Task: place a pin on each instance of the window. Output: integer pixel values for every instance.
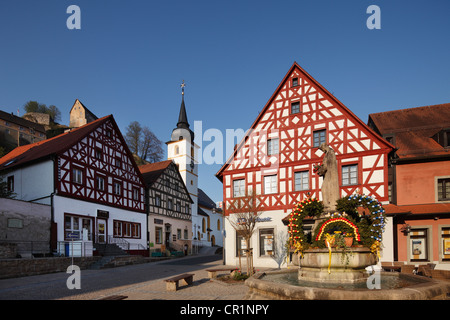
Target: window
(350, 175)
(178, 234)
(177, 149)
(136, 193)
(178, 206)
(444, 189)
(239, 188)
(185, 233)
(100, 183)
(241, 245)
(218, 224)
(158, 200)
(301, 180)
(117, 188)
(118, 162)
(77, 175)
(117, 229)
(187, 208)
(272, 146)
(270, 184)
(10, 184)
(295, 107)
(158, 235)
(294, 82)
(98, 154)
(82, 227)
(170, 204)
(418, 245)
(319, 137)
(266, 245)
(445, 235)
(136, 230)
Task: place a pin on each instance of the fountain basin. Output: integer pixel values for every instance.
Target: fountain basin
(343, 267)
(268, 285)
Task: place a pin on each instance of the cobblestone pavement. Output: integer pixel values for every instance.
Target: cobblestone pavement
(137, 282)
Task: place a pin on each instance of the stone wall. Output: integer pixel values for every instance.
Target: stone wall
(13, 268)
(24, 221)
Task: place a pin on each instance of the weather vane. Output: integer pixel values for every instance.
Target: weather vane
(182, 87)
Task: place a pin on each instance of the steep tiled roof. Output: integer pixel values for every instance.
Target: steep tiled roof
(152, 171)
(413, 129)
(47, 148)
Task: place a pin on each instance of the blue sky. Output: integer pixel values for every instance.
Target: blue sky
(129, 58)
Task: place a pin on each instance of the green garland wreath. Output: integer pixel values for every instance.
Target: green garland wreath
(305, 208)
(370, 228)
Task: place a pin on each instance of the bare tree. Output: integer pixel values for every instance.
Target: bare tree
(143, 143)
(243, 214)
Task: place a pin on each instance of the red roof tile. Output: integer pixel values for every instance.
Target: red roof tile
(152, 171)
(430, 208)
(46, 148)
(413, 129)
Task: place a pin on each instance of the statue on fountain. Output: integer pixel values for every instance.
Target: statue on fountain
(329, 171)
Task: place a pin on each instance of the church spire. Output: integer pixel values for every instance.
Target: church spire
(182, 130)
(182, 118)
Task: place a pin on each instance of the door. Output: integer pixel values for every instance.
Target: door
(101, 230)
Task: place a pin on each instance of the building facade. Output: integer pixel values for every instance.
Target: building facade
(276, 160)
(90, 179)
(169, 208)
(16, 131)
(419, 182)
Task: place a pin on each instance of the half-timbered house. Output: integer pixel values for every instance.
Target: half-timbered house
(276, 159)
(169, 207)
(89, 177)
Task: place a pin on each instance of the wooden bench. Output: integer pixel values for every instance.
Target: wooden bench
(172, 283)
(212, 273)
(115, 297)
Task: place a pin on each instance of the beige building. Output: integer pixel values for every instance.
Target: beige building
(80, 115)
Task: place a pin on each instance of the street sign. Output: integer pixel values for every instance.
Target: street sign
(72, 235)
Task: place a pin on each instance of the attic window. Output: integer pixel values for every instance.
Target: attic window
(443, 138)
(295, 82)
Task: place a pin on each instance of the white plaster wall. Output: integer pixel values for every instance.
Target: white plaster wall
(280, 235)
(34, 182)
(73, 206)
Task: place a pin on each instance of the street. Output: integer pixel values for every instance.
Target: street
(137, 282)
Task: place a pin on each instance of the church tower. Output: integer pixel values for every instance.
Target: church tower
(183, 151)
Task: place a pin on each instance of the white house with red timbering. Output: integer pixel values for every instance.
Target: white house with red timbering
(277, 157)
(89, 177)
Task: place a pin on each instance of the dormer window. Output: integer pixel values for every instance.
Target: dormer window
(443, 138)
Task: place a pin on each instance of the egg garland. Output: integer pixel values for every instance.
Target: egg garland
(376, 220)
(307, 207)
(367, 230)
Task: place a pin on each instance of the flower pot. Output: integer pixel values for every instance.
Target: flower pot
(348, 241)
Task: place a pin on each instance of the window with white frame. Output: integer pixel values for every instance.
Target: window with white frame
(319, 137)
(272, 146)
(77, 175)
(350, 175)
(301, 180)
(239, 188)
(270, 184)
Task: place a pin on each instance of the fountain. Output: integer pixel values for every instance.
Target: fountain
(339, 260)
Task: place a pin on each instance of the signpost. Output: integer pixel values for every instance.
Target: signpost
(72, 236)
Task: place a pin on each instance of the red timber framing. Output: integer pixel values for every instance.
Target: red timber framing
(299, 113)
(108, 174)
